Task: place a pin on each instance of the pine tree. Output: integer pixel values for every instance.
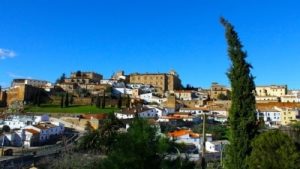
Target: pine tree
(61, 79)
(39, 98)
(67, 100)
(103, 100)
(120, 102)
(92, 101)
(242, 119)
(98, 101)
(71, 100)
(62, 101)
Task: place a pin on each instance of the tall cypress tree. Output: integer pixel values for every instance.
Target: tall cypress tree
(39, 98)
(62, 101)
(242, 119)
(120, 102)
(71, 100)
(103, 101)
(67, 100)
(98, 102)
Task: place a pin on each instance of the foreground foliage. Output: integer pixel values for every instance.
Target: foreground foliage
(275, 150)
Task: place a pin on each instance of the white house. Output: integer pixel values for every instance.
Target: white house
(124, 115)
(18, 122)
(31, 137)
(42, 118)
(108, 81)
(185, 94)
(220, 118)
(149, 113)
(215, 146)
(271, 116)
(160, 110)
(149, 98)
(121, 90)
(194, 111)
(143, 112)
(188, 137)
(47, 131)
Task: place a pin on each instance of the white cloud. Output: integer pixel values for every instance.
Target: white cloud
(5, 53)
(15, 76)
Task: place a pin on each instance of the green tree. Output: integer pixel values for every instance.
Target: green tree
(273, 149)
(38, 98)
(62, 101)
(98, 102)
(6, 128)
(120, 102)
(61, 79)
(78, 73)
(103, 101)
(71, 99)
(222, 96)
(139, 148)
(67, 100)
(102, 139)
(242, 119)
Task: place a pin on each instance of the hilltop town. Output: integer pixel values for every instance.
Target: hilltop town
(36, 112)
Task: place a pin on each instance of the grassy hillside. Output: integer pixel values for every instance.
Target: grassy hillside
(70, 109)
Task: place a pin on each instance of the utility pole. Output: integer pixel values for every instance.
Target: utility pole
(2, 152)
(202, 162)
(221, 157)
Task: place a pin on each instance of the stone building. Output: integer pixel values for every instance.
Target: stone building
(161, 81)
(22, 93)
(217, 89)
(33, 82)
(271, 90)
(84, 81)
(84, 78)
(288, 115)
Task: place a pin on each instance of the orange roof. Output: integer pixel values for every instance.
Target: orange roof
(178, 133)
(32, 131)
(277, 104)
(194, 135)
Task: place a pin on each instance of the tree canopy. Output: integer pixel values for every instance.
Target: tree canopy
(275, 150)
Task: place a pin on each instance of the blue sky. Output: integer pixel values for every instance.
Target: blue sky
(42, 39)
